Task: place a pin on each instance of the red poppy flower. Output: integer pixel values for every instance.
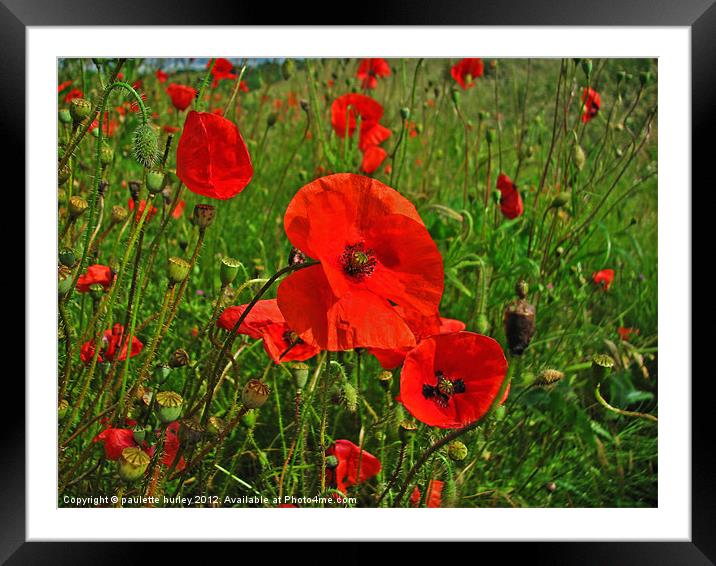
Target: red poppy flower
(115, 440)
(345, 473)
(170, 129)
(372, 158)
(221, 70)
(63, 86)
(466, 70)
(625, 333)
(110, 343)
(72, 94)
(162, 76)
(243, 87)
(510, 201)
(372, 136)
(451, 380)
(434, 496)
(171, 447)
(265, 322)
(346, 109)
(96, 275)
(109, 126)
(591, 102)
(212, 159)
(140, 210)
(178, 209)
(182, 96)
(603, 278)
(374, 253)
(370, 69)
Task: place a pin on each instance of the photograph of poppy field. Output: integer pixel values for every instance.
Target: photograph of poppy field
(357, 282)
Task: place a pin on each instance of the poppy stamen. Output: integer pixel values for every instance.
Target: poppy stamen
(444, 389)
(358, 261)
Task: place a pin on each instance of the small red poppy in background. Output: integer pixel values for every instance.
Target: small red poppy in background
(374, 253)
(212, 158)
(466, 70)
(170, 129)
(625, 333)
(451, 380)
(346, 109)
(345, 474)
(115, 440)
(182, 96)
(433, 498)
(221, 70)
(140, 210)
(372, 136)
(603, 278)
(72, 94)
(370, 69)
(510, 202)
(243, 86)
(110, 343)
(109, 126)
(591, 102)
(171, 447)
(162, 76)
(265, 322)
(63, 86)
(372, 159)
(178, 209)
(96, 275)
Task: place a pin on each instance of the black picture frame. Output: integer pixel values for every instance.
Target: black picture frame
(699, 15)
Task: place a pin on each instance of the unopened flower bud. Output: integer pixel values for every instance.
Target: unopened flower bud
(456, 97)
(271, 120)
(490, 135)
(299, 370)
(548, 377)
(248, 419)
(133, 463)
(621, 75)
(77, 206)
(350, 395)
(106, 154)
(482, 324)
(405, 113)
(80, 108)
(644, 78)
(67, 257)
(169, 406)
(229, 270)
(204, 215)
(96, 291)
(579, 157)
(161, 373)
(287, 69)
(587, 67)
(145, 145)
(178, 269)
(457, 451)
(64, 280)
(254, 394)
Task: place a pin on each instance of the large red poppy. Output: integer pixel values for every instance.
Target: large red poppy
(374, 253)
(451, 380)
(434, 496)
(466, 70)
(510, 202)
(212, 158)
(370, 69)
(110, 343)
(96, 275)
(591, 102)
(182, 96)
(345, 474)
(115, 440)
(604, 278)
(265, 322)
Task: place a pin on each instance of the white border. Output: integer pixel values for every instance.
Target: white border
(670, 521)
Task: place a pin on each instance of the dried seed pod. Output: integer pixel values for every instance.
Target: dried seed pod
(179, 358)
(254, 394)
(519, 321)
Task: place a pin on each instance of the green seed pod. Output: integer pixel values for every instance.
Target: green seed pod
(178, 269)
(204, 215)
(64, 280)
(299, 370)
(67, 257)
(77, 206)
(587, 67)
(482, 324)
(106, 154)
(145, 145)
(133, 463)
(490, 135)
(579, 157)
(80, 108)
(385, 378)
(456, 97)
(500, 412)
(331, 462)
(405, 113)
(64, 116)
(62, 409)
(248, 420)
(287, 69)
(457, 451)
(139, 433)
(229, 270)
(161, 373)
(406, 431)
(156, 181)
(601, 364)
(254, 394)
(169, 406)
(271, 120)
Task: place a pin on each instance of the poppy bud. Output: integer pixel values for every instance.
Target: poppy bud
(248, 419)
(133, 463)
(254, 394)
(178, 269)
(77, 206)
(561, 200)
(215, 425)
(119, 214)
(169, 406)
(579, 157)
(482, 115)
(559, 252)
(179, 358)
(299, 370)
(145, 145)
(271, 120)
(457, 451)
(644, 78)
(161, 373)
(405, 113)
(456, 97)
(204, 215)
(287, 69)
(406, 431)
(490, 135)
(156, 181)
(304, 105)
(106, 153)
(229, 270)
(67, 257)
(482, 324)
(331, 462)
(80, 108)
(63, 174)
(64, 116)
(519, 322)
(350, 395)
(587, 67)
(64, 280)
(62, 409)
(621, 75)
(601, 363)
(385, 379)
(548, 377)
(139, 433)
(296, 256)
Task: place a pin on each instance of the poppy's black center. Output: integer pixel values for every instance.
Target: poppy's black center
(444, 389)
(357, 261)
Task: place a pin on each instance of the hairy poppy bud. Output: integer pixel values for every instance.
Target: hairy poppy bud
(271, 120)
(156, 181)
(457, 451)
(229, 270)
(62, 409)
(456, 97)
(119, 214)
(331, 462)
(204, 215)
(579, 157)
(405, 113)
(169, 406)
(561, 200)
(406, 431)
(77, 206)
(80, 108)
(64, 116)
(587, 67)
(601, 364)
(287, 69)
(482, 324)
(179, 358)
(548, 377)
(299, 370)
(248, 420)
(145, 145)
(254, 394)
(519, 321)
(385, 379)
(133, 463)
(139, 433)
(178, 269)
(106, 154)
(490, 135)
(350, 395)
